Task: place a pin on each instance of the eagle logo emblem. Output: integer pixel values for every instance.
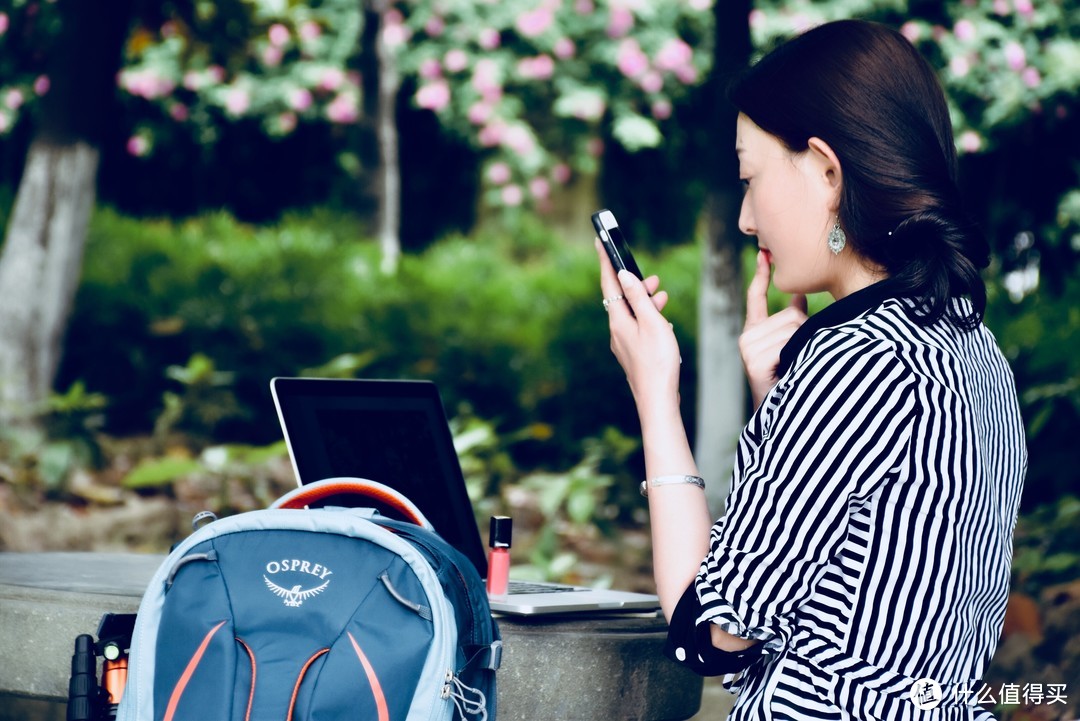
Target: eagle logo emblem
(296, 595)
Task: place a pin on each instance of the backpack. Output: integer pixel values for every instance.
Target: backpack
(327, 613)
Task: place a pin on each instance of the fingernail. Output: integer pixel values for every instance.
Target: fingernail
(624, 277)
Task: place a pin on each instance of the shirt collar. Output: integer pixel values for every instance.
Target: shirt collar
(847, 308)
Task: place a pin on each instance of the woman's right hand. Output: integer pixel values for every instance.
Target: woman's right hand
(642, 340)
(764, 335)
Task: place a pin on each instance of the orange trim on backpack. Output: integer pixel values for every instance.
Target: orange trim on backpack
(310, 494)
(251, 694)
(300, 679)
(376, 687)
(178, 690)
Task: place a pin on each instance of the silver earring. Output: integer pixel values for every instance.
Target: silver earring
(837, 239)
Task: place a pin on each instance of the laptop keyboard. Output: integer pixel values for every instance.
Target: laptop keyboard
(518, 587)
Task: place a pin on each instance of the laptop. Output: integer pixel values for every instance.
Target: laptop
(395, 432)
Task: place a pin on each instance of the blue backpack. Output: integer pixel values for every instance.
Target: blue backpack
(294, 613)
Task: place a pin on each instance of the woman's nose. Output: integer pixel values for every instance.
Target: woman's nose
(746, 219)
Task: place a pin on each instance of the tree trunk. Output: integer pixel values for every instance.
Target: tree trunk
(721, 398)
(389, 165)
(42, 257)
(39, 270)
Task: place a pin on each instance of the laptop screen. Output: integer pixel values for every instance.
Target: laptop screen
(393, 432)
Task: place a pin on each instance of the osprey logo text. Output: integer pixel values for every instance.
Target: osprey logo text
(295, 594)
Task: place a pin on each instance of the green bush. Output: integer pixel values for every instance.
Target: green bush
(508, 324)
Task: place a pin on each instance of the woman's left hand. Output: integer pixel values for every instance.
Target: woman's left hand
(643, 341)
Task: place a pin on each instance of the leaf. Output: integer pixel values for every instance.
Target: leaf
(160, 472)
(636, 132)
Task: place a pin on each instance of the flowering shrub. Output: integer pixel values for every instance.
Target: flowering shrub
(1000, 60)
(536, 85)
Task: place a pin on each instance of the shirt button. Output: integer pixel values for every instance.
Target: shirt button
(680, 653)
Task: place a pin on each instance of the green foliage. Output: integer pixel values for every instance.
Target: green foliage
(507, 322)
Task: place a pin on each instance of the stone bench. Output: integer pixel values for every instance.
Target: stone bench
(605, 667)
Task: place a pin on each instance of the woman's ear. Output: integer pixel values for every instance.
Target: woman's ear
(827, 167)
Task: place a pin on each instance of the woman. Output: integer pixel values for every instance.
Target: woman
(861, 568)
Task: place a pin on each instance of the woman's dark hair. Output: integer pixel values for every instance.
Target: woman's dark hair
(863, 89)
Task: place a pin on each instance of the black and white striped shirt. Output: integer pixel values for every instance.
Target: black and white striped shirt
(867, 540)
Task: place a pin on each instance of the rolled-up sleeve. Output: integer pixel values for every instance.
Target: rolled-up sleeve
(831, 432)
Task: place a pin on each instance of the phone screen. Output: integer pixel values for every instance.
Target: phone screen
(614, 242)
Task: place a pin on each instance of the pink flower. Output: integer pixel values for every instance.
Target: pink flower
(13, 98)
(310, 30)
(564, 48)
(331, 79)
(1031, 77)
(541, 67)
(169, 29)
(512, 195)
(661, 109)
(561, 173)
(584, 7)
(278, 34)
(700, 5)
(286, 122)
(960, 66)
(395, 35)
(216, 73)
(1001, 7)
(970, 142)
(179, 112)
(192, 80)
(498, 173)
(488, 38)
(433, 96)
(651, 82)
(41, 84)
(620, 22)
(1024, 7)
(4, 23)
(595, 147)
(1015, 57)
(486, 79)
(479, 113)
(430, 69)
(540, 188)
(435, 26)
(456, 60)
(631, 60)
(686, 74)
(237, 101)
(535, 22)
(518, 139)
(757, 18)
(272, 55)
(342, 109)
(911, 30)
(964, 30)
(138, 145)
(674, 54)
(300, 99)
(491, 134)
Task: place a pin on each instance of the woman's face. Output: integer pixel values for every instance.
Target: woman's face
(789, 204)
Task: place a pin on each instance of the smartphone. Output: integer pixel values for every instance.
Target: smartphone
(611, 236)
